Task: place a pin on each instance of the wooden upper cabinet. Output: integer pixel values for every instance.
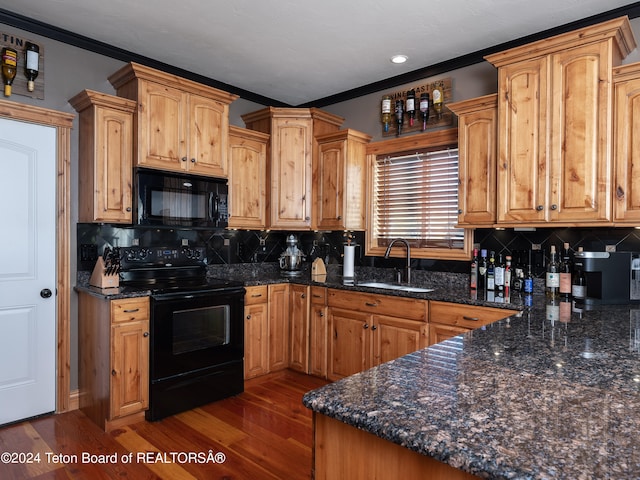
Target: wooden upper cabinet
(626, 153)
(181, 125)
(105, 157)
(477, 150)
(290, 160)
(247, 178)
(554, 110)
(340, 181)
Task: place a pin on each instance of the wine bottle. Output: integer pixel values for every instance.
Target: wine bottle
(9, 68)
(410, 106)
(386, 111)
(399, 111)
(566, 270)
(579, 279)
(473, 277)
(424, 109)
(31, 60)
(499, 275)
(491, 272)
(528, 279)
(437, 102)
(482, 269)
(552, 286)
(507, 276)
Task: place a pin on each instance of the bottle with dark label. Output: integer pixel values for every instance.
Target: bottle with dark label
(527, 284)
(31, 60)
(410, 106)
(579, 279)
(399, 111)
(566, 270)
(482, 269)
(473, 277)
(552, 285)
(386, 111)
(424, 109)
(491, 272)
(9, 68)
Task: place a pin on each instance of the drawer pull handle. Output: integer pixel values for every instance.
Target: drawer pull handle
(132, 310)
(369, 304)
(315, 295)
(472, 319)
(256, 295)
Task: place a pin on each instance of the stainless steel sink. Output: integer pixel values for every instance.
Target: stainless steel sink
(395, 286)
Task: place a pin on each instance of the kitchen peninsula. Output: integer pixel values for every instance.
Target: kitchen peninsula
(525, 397)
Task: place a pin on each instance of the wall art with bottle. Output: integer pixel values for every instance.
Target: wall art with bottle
(421, 107)
(28, 78)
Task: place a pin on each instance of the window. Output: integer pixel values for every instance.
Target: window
(414, 195)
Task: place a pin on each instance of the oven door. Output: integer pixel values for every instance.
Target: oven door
(192, 332)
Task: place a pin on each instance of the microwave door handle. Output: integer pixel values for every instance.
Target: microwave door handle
(213, 207)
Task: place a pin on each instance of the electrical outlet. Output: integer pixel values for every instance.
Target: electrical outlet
(610, 248)
(185, 242)
(226, 242)
(263, 241)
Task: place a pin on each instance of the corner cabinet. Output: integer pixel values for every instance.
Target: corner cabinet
(340, 181)
(477, 150)
(290, 161)
(113, 353)
(105, 157)
(247, 178)
(180, 125)
(626, 152)
(554, 111)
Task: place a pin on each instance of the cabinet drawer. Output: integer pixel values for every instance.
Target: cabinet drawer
(408, 308)
(254, 295)
(318, 295)
(130, 309)
(468, 316)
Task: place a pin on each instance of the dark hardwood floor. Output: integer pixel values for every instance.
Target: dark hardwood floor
(264, 433)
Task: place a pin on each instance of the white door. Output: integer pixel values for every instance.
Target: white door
(27, 270)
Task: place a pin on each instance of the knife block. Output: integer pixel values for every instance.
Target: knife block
(100, 279)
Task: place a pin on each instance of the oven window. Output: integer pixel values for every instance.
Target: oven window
(200, 328)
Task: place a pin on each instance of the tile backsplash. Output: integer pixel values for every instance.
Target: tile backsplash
(240, 246)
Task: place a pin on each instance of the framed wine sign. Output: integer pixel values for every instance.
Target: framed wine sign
(20, 81)
(424, 118)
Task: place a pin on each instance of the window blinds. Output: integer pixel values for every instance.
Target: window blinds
(416, 198)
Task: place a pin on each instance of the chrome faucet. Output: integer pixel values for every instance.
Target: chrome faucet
(408, 267)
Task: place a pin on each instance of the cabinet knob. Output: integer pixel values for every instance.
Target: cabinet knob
(248, 317)
(114, 373)
(128, 209)
(307, 219)
(459, 211)
(365, 326)
(303, 296)
(554, 207)
(193, 160)
(539, 208)
(339, 217)
(184, 159)
(321, 314)
(374, 328)
(145, 334)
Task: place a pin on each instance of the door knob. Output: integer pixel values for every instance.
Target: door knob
(45, 293)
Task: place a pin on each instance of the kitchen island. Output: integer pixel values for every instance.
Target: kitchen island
(526, 397)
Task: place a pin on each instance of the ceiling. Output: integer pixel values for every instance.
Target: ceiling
(295, 51)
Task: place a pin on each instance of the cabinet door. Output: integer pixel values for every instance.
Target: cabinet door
(291, 144)
(438, 333)
(580, 140)
(522, 142)
(626, 133)
(349, 343)
(318, 335)
(256, 340)
(330, 184)
(299, 328)
(207, 126)
(247, 179)
(278, 327)
(161, 129)
(394, 337)
(129, 368)
(477, 144)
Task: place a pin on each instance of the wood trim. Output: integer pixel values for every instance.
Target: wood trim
(447, 136)
(62, 121)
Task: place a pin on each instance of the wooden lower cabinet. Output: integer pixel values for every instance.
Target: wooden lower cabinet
(299, 328)
(113, 351)
(447, 319)
(256, 331)
(365, 330)
(343, 451)
(278, 326)
(318, 332)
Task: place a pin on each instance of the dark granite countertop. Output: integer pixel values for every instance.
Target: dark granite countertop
(527, 397)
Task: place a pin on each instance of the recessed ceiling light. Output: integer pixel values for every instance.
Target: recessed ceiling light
(399, 59)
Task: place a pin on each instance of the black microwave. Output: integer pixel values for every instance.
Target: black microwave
(179, 200)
